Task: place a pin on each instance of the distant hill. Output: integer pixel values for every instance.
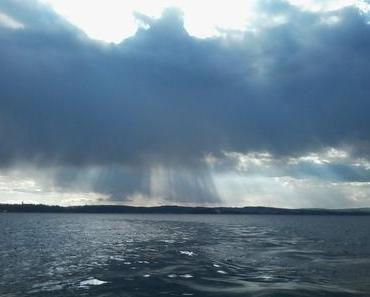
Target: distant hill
(250, 210)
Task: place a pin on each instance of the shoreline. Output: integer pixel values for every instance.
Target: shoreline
(171, 209)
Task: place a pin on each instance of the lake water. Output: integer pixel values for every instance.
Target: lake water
(184, 255)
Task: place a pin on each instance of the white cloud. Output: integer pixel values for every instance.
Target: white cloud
(246, 161)
(324, 5)
(8, 21)
(327, 156)
(32, 186)
(113, 20)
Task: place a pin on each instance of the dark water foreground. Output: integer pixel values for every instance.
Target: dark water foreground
(185, 255)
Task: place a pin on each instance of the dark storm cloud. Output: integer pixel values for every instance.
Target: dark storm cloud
(165, 97)
(71, 101)
(123, 183)
(116, 181)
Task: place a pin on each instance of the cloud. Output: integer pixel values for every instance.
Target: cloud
(165, 99)
(9, 22)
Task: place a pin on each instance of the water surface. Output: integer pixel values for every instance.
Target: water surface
(183, 255)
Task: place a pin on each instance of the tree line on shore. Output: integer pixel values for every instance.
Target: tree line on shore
(42, 208)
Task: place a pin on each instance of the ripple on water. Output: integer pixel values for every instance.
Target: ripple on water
(187, 275)
(49, 286)
(187, 253)
(172, 275)
(91, 282)
(168, 241)
(214, 261)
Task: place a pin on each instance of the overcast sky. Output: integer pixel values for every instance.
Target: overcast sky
(185, 102)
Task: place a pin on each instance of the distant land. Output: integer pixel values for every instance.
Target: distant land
(249, 210)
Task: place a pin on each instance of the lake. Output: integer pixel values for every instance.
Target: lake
(183, 255)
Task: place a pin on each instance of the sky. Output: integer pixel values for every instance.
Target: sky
(212, 103)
